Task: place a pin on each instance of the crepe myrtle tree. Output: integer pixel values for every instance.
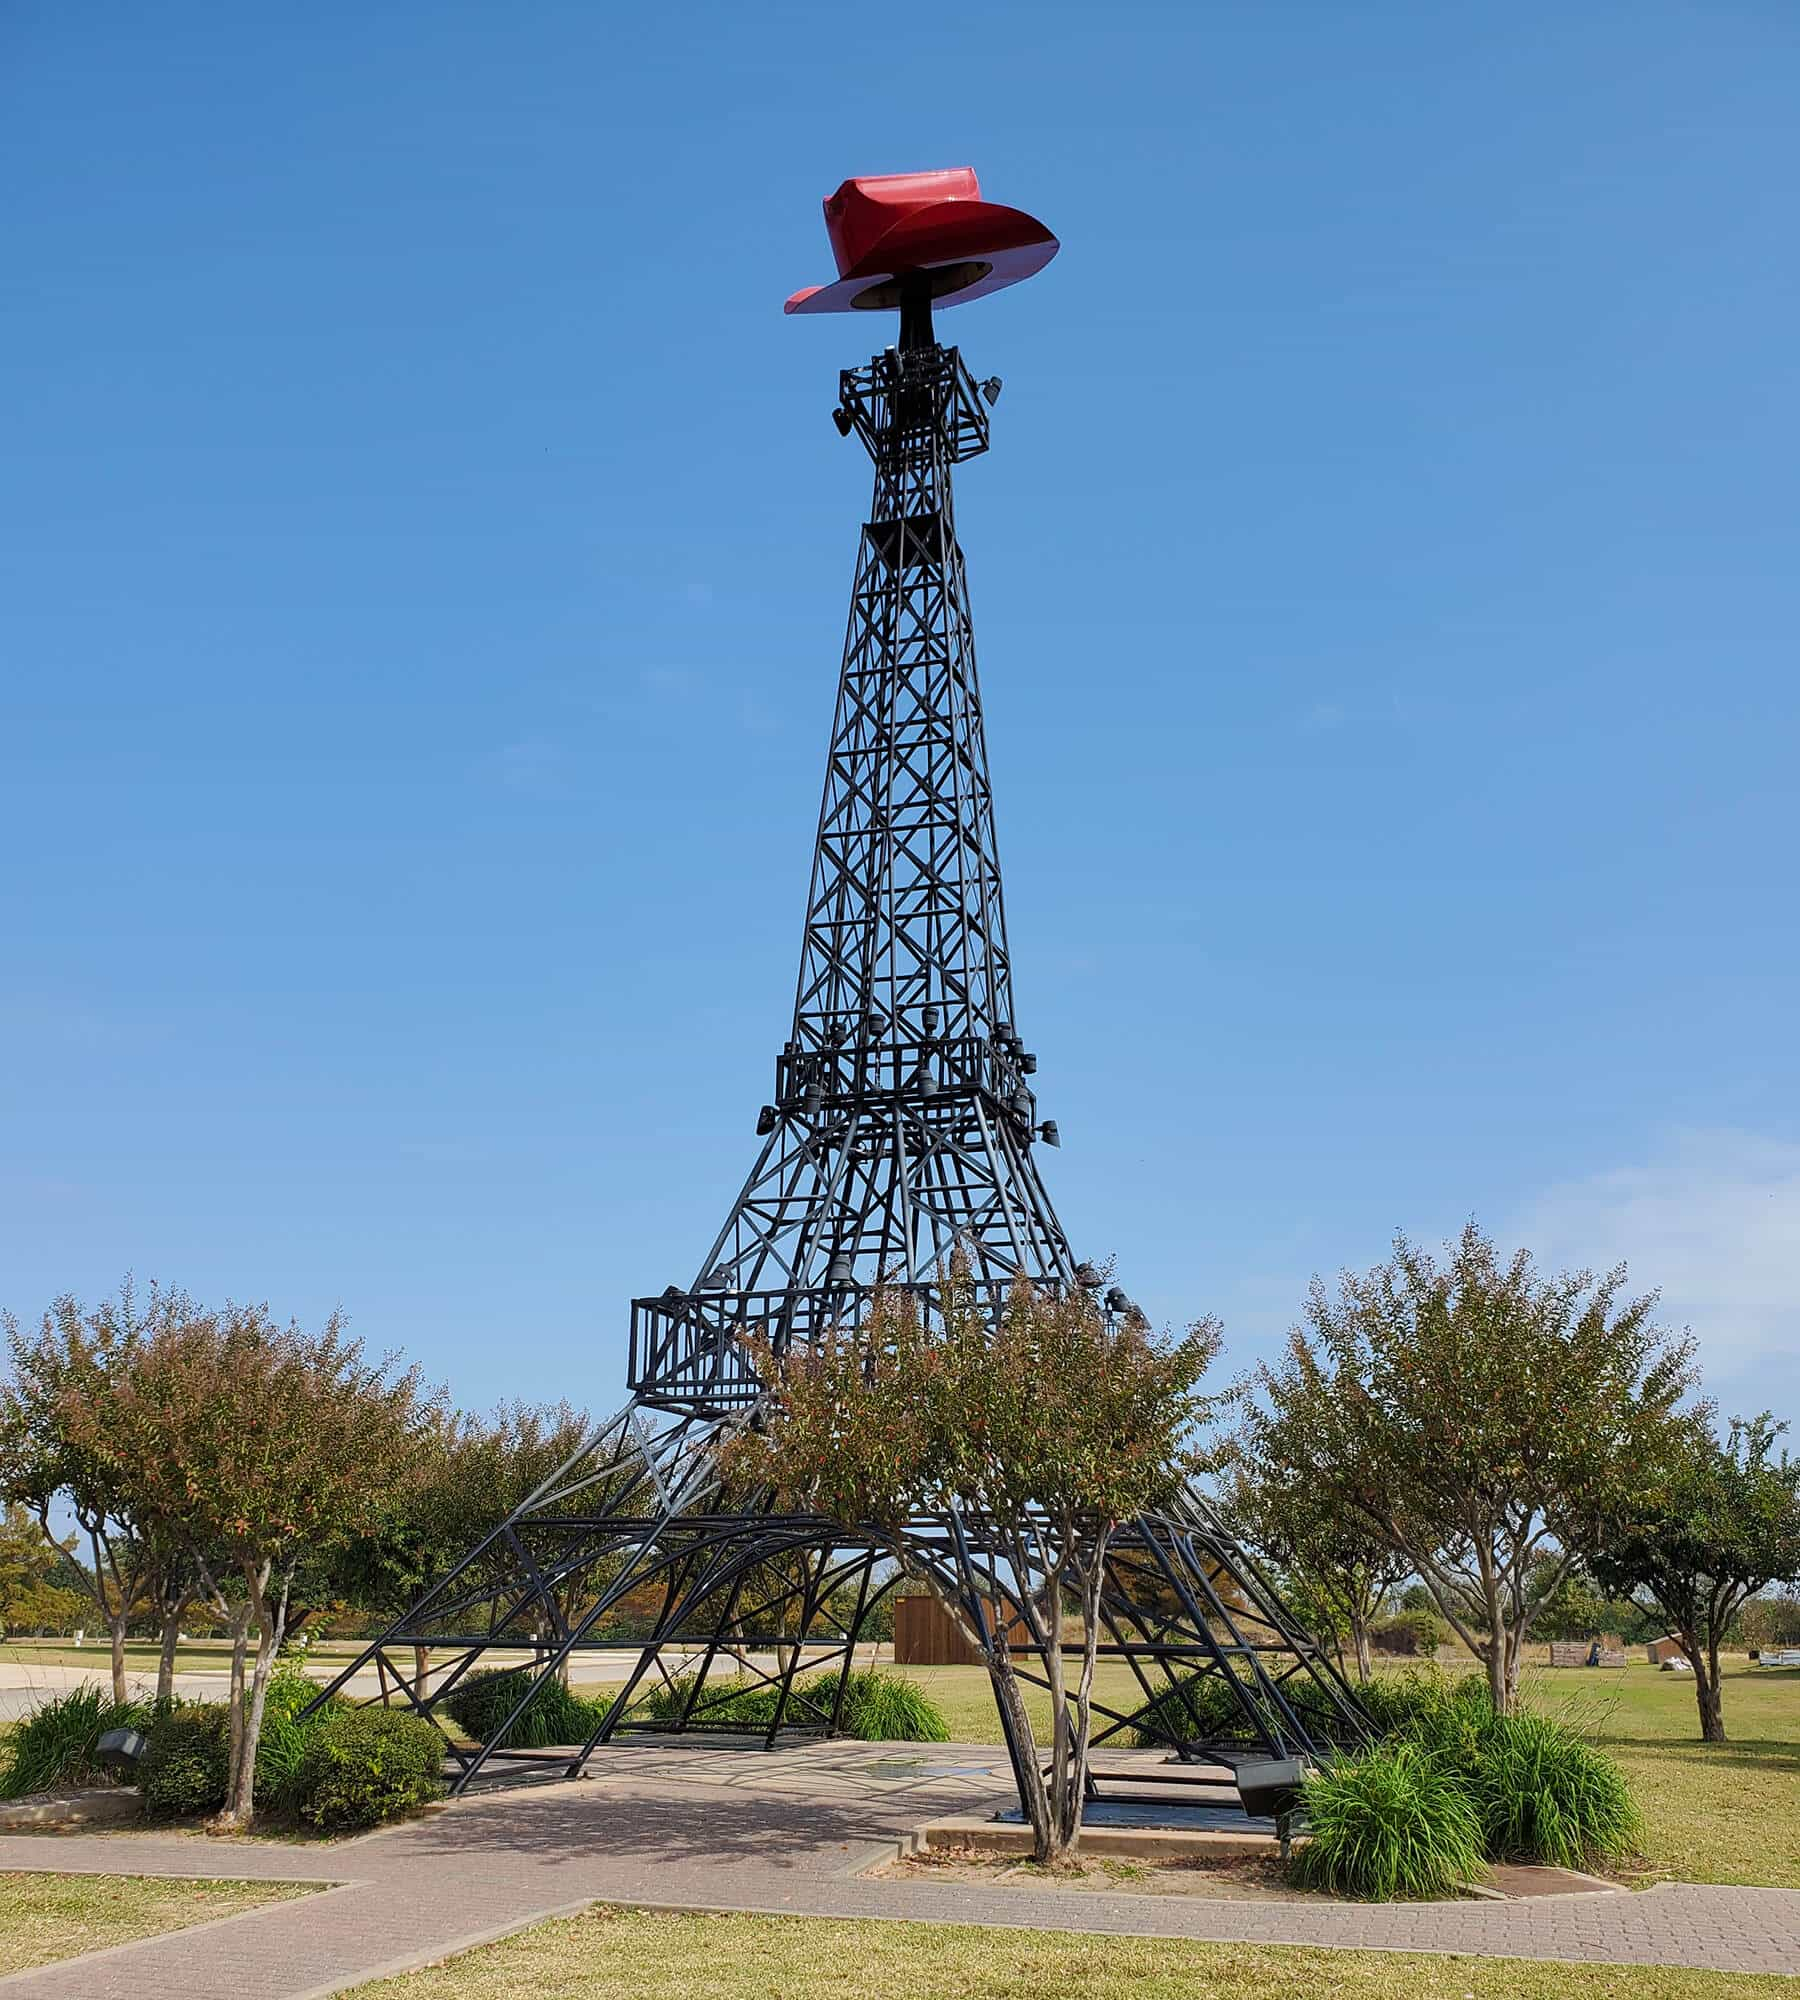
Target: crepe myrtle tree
(1476, 1416)
(1338, 1567)
(1052, 1425)
(256, 1447)
(77, 1360)
(1706, 1527)
(464, 1477)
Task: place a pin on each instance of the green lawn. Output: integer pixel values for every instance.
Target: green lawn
(47, 1917)
(609, 1954)
(1727, 1812)
(197, 1656)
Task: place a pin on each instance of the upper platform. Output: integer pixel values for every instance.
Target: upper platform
(929, 235)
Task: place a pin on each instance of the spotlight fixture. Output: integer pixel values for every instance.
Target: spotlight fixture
(991, 390)
(765, 1121)
(1116, 1301)
(844, 421)
(1087, 1276)
(839, 1273)
(718, 1279)
(1049, 1134)
(1028, 1063)
(815, 1100)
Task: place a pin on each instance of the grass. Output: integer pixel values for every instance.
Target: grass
(611, 1954)
(47, 1917)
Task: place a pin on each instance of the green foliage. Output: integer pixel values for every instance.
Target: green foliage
(481, 1704)
(1206, 1710)
(877, 1707)
(1424, 1700)
(1533, 1789)
(184, 1770)
(368, 1766)
(1415, 1634)
(1544, 1795)
(884, 1708)
(1463, 1410)
(53, 1746)
(1202, 1710)
(1385, 1822)
(1710, 1525)
(32, 1566)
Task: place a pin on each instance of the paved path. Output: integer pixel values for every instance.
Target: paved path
(692, 1827)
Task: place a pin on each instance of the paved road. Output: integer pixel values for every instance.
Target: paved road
(692, 1827)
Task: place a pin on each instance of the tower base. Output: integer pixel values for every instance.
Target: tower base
(633, 1554)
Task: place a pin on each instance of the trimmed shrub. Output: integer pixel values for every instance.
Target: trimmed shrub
(1386, 1822)
(188, 1761)
(186, 1766)
(55, 1744)
(367, 1766)
(1544, 1795)
(481, 1704)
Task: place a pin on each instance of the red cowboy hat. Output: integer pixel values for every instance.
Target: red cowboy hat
(888, 227)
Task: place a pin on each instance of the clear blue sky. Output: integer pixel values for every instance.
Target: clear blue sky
(423, 555)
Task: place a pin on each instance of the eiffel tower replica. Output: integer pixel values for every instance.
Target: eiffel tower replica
(903, 1131)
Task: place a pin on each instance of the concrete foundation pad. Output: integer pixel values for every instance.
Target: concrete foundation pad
(98, 1805)
(1134, 1843)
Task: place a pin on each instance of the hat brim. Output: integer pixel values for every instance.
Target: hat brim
(966, 248)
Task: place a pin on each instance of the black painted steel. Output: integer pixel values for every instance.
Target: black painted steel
(902, 1130)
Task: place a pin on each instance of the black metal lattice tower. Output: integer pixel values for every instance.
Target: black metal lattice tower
(902, 1130)
(904, 1117)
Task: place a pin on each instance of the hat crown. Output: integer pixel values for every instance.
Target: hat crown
(865, 208)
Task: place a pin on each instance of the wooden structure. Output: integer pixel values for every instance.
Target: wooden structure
(925, 1635)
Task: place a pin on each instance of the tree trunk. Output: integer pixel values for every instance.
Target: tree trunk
(1359, 1639)
(1515, 1652)
(115, 1624)
(1065, 1826)
(240, 1642)
(1708, 1695)
(1494, 1659)
(271, 1624)
(1031, 1777)
(421, 1672)
(165, 1664)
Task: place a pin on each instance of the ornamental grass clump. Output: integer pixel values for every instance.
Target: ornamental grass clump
(1388, 1822)
(1546, 1796)
(1425, 1702)
(56, 1744)
(884, 1708)
(481, 1704)
(877, 1707)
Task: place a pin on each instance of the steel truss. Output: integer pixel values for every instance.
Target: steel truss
(902, 1130)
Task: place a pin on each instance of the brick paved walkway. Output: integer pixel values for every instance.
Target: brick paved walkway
(697, 1828)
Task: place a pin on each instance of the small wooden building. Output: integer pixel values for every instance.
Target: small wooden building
(925, 1635)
